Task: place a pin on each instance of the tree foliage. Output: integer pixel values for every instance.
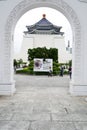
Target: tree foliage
(44, 53)
(70, 63)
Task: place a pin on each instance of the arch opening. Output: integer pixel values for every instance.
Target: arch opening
(32, 17)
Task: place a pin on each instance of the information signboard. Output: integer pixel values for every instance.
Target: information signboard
(42, 65)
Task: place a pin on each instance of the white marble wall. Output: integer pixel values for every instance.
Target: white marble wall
(75, 12)
(49, 41)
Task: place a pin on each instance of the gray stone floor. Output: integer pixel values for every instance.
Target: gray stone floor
(42, 103)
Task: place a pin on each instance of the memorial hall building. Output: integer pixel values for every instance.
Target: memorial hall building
(44, 34)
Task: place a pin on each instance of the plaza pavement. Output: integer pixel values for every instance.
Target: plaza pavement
(42, 103)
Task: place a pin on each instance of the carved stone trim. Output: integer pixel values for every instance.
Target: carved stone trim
(57, 4)
(85, 1)
(3, 0)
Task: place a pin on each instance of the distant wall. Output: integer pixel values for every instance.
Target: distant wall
(48, 41)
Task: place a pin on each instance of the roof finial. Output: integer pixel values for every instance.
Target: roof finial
(44, 15)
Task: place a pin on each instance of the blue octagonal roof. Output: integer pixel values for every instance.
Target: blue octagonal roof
(43, 27)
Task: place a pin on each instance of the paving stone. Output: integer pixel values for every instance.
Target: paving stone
(62, 117)
(81, 125)
(52, 126)
(31, 117)
(69, 117)
(6, 116)
(14, 125)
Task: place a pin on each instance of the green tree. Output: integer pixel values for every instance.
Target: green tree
(70, 63)
(53, 53)
(43, 53)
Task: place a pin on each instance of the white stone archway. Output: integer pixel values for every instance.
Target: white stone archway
(8, 87)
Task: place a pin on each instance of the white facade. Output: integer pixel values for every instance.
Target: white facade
(74, 11)
(49, 41)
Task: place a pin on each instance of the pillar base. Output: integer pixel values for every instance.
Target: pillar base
(7, 89)
(78, 90)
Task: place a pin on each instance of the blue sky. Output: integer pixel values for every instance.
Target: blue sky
(33, 16)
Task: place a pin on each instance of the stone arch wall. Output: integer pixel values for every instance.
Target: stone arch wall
(26, 5)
